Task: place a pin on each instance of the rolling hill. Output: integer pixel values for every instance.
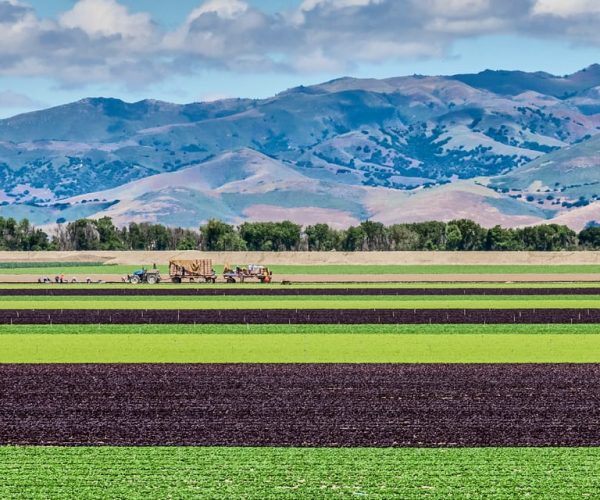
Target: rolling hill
(500, 147)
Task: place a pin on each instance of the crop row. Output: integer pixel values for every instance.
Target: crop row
(384, 405)
(455, 285)
(65, 291)
(299, 348)
(313, 302)
(567, 330)
(274, 473)
(297, 316)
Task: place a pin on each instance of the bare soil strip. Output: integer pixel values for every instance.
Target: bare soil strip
(298, 316)
(301, 405)
(64, 291)
(356, 278)
(309, 258)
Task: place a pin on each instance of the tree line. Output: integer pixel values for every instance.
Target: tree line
(216, 235)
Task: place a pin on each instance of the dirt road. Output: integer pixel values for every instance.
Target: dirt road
(358, 278)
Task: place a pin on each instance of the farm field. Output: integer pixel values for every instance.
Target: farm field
(257, 288)
(314, 405)
(333, 302)
(298, 329)
(267, 473)
(301, 348)
(70, 268)
(323, 392)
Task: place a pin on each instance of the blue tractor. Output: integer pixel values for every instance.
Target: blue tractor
(143, 275)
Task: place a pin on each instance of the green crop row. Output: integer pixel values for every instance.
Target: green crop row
(285, 473)
(68, 270)
(254, 285)
(300, 329)
(299, 348)
(45, 265)
(303, 302)
(334, 269)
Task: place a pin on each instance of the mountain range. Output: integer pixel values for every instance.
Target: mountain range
(498, 147)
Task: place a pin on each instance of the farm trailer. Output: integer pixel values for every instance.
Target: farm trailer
(241, 274)
(192, 270)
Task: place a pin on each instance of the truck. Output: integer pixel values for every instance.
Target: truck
(193, 271)
(241, 274)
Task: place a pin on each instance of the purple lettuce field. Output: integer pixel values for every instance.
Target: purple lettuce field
(340, 405)
(299, 316)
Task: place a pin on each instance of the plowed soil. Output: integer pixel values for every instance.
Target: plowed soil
(359, 278)
(301, 405)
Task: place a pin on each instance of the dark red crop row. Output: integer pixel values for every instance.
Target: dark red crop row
(299, 316)
(64, 290)
(300, 405)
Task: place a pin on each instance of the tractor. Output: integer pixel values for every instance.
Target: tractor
(152, 277)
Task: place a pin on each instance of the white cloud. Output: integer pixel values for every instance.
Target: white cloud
(567, 8)
(453, 8)
(298, 17)
(102, 40)
(107, 18)
(226, 9)
(14, 100)
(337, 4)
(212, 97)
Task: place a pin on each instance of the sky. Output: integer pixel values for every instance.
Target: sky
(58, 51)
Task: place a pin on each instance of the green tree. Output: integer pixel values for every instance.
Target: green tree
(454, 237)
(354, 239)
(376, 237)
(499, 239)
(473, 235)
(321, 237)
(432, 235)
(402, 237)
(548, 237)
(188, 242)
(214, 232)
(231, 242)
(271, 236)
(82, 234)
(590, 237)
(110, 238)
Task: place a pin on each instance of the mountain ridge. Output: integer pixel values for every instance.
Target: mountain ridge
(402, 136)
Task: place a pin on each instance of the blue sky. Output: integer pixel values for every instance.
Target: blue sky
(57, 51)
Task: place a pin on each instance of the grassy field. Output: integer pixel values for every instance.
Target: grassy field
(303, 302)
(261, 473)
(299, 348)
(45, 269)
